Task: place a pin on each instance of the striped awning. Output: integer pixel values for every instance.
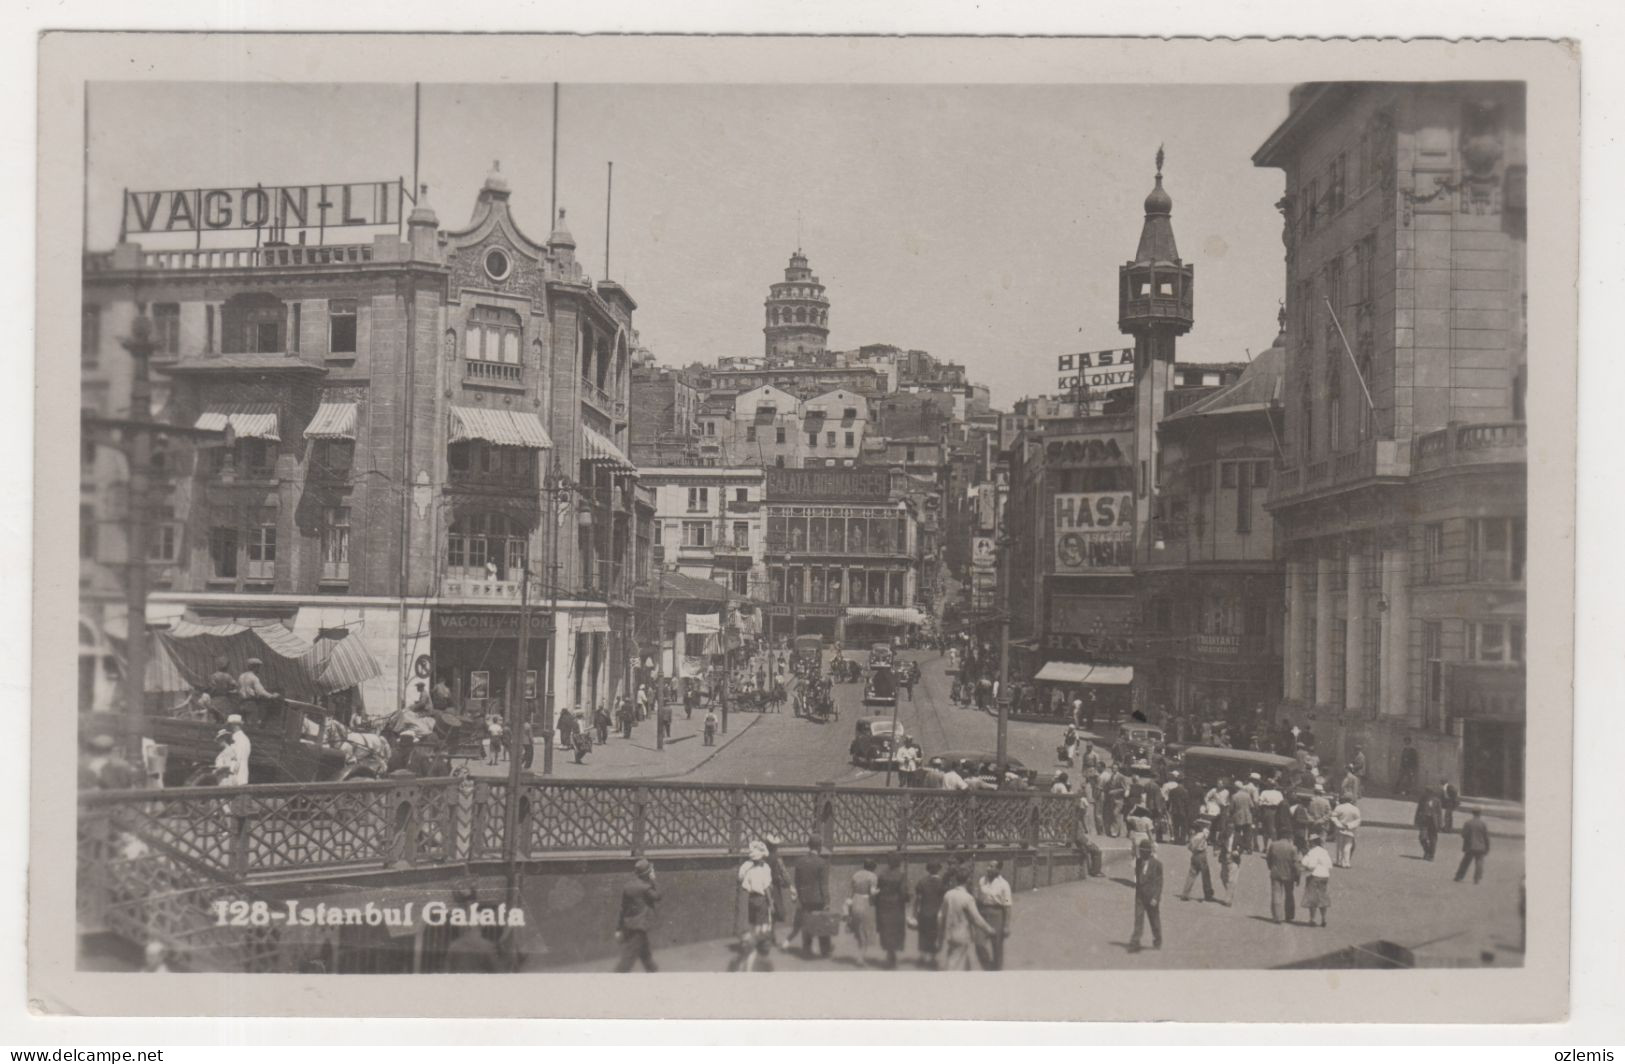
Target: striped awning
(250, 421)
(505, 428)
(601, 448)
(333, 421)
(339, 660)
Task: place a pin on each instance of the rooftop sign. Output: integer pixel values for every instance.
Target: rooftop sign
(274, 208)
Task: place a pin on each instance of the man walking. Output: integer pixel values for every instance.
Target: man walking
(960, 922)
(1475, 845)
(811, 876)
(663, 719)
(711, 723)
(1282, 858)
(1427, 822)
(1147, 896)
(639, 896)
(994, 902)
(1346, 822)
(1449, 799)
(600, 724)
(1241, 817)
(1198, 846)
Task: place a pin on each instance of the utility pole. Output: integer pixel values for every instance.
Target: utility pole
(1003, 701)
(516, 718)
(727, 658)
(660, 643)
(556, 487)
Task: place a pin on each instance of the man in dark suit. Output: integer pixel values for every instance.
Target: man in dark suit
(812, 895)
(1282, 858)
(1475, 844)
(1429, 815)
(1147, 896)
(639, 896)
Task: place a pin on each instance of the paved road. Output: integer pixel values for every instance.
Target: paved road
(781, 748)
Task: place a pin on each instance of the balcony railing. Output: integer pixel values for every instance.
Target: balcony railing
(1479, 443)
(240, 258)
(476, 370)
(602, 400)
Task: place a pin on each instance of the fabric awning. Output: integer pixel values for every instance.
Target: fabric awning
(699, 623)
(340, 660)
(885, 614)
(1083, 672)
(601, 448)
(505, 428)
(333, 421)
(250, 421)
(286, 669)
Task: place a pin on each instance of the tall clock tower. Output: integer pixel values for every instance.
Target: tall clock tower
(1154, 302)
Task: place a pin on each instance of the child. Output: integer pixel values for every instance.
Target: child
(711, 727)
(1317, 890)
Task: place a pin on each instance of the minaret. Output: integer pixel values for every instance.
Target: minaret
(1154, 306)
(797, 326)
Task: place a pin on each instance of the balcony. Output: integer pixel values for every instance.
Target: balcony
(492, 372)
(239, 258)
(1372, 458)
(1480, 443)
(602, 401)
(604, 580)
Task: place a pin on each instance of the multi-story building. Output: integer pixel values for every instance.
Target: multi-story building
(665, 427)
(391, 409)
(842, 553)
(833, 428)
(1209, 583)
(1402, 498)
(709, 522)
(804, 382)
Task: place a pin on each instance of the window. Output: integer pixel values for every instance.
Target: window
(1261, 474)
(659, 539)
(262, 549)
(164, 546)
(851, 439)
(742, 535)
(341, 330)
(486, 544)
(911, 457)
(252, 323)
(334, 458)
(223, 553)
(166, 328)
(497, 264)
(696, 533)
(812, 439)
(87, 531)
(492, 336)
(1432, 653)
(741, 583)
(779, 461)
(1339, 176)
(1244, 501)
(1363, 368)
(1334, 410)
(336, 543)
(90, 337)
(1433, 553)
(1366, 266)
(829, 439)
(1495, 549)
(1311, 204)
(750, 433)
(1307, 429)
(256, 459)
(779, 438)
(1227, 475)
(1495, 641)
(741, 495)
(699, 500)
(849, 414)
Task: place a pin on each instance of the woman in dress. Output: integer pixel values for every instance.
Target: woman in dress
(928, 912)
(861, 909)
(891, 908)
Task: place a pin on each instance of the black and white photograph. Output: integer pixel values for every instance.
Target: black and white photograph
(578, 525)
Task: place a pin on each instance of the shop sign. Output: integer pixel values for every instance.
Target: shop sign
(832, 484)
(1218, 645)
(477, 624)
(804, 611)
(1096, 369)
(1094, 531)
(276, 208)
(984, 554)
(1085, 647)
(1093, 449)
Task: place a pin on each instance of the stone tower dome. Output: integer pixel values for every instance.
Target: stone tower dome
(797, 319)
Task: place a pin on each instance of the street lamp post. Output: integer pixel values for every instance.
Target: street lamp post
(556, 488)
(1003, 701)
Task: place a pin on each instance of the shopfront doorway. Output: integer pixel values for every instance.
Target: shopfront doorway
(1492, 755)
(477, 655)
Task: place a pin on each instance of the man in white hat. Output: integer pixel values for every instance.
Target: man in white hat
(756, 881)
(239, 740)
(251, 693)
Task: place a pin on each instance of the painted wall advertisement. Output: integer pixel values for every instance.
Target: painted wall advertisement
(984, 552)
(1094, 532)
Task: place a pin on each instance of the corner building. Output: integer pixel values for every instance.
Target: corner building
(1402, 518)
(393, 408)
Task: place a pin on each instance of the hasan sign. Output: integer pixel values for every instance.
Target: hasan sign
(275, 208)
(1097, 369)
(1094, 531)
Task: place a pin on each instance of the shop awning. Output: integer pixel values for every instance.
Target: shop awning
(250, 421)
(505, 428)
(601, 448)
(333, 421)
(885, 614)
(1083, 672)
(339, 661)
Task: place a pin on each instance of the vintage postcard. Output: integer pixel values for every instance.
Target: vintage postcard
(977, 528)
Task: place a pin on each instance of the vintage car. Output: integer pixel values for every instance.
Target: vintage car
(881, 654)
(291, 742)
(809, 649)
(881, 690)
(875, 743)
(1207, 765)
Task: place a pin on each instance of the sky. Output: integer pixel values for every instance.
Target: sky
(984, 223)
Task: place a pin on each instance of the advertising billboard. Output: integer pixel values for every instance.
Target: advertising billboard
(1094, 532)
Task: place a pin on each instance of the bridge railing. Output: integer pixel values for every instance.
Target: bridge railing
(289, 831)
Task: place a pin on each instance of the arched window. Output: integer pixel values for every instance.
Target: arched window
(486, 546)
(801, 314)
(493, 335)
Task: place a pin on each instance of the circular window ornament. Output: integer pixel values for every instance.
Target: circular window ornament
(497, 264)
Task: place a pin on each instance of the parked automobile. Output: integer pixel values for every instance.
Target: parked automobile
(875, 743)
(1207, 765)
(881, 654)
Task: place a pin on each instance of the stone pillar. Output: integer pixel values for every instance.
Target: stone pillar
(1324, 568)
(1297, 630)
(1354, 648)
(1396, 632)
